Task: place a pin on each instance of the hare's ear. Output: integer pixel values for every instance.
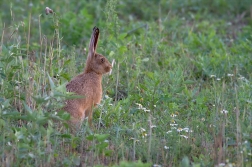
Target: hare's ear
(93, 42)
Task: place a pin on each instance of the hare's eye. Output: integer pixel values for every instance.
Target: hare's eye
(102, 60)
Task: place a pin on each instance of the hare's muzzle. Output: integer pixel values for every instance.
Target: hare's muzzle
(109, 68)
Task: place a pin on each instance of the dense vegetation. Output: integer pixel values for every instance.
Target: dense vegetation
(180, 93)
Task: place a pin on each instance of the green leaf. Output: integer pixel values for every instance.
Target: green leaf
(90, 137)
(196, 165)
(150, 75)
(6, 103)
(102, 146)
(4, 50)
(185, 162)
(111, 53)
(40, 100)
(67, 136)
(63, 115)
(101, 137)
(19, 135)
(2, 123)
(122, 49)
(31, 155)
(76, 160)
(189, 82)
(16, 67)
(51, 82)
(122, 36)
(71, 95)
(62, 88)
(145, 59)
(23, 146)
(11, 114)
(27, 108)
(108, 152)
(42, 120)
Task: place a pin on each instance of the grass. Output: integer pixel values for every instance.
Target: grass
(179, 94)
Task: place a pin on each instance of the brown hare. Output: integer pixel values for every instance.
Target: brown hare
(87, 84)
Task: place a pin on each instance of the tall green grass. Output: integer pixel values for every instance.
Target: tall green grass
(179, 94)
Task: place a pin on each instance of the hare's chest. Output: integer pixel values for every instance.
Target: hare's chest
(97, 94)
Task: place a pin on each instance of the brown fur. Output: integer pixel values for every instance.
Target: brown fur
(87, 84)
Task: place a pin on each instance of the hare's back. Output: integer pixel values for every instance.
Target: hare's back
(80, 84)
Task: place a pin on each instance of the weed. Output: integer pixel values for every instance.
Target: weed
(179, 94)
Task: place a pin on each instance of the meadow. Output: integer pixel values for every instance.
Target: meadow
(180, 92)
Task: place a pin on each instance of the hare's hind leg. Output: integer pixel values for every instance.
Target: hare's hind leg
(77, 116)
(75, 122)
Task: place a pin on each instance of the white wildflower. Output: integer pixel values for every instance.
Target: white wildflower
(166, 148)
(144, 135)
(133, 139)
(186, 129)
(179, 129)
(142, 130)
(221, 164)
(211, 125)
(173, 115)
(169, 131)
(224, 111)
(156, 165)
(184, 136)
(140, 106)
